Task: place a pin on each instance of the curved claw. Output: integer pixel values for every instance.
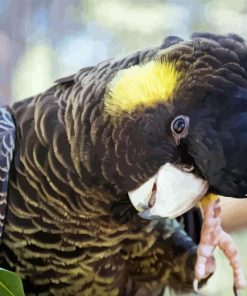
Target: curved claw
(236, 291)
(195, 286)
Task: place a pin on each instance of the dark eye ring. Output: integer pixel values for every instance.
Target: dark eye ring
(180, 125)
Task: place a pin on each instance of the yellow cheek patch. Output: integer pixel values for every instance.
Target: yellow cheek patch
(141, 86)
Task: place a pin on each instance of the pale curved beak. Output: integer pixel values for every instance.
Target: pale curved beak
(169, 193)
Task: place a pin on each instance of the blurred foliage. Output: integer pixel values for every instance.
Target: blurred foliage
(42, 40)
(10, 284)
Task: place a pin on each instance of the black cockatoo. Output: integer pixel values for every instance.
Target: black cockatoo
(170, 120)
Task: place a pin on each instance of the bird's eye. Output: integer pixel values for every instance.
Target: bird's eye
(179, 126)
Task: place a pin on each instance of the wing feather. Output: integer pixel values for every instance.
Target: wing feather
(7, 145)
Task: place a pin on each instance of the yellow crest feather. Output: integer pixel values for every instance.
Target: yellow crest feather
(141, 86)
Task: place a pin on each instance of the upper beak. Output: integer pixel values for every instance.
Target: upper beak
(169, 193)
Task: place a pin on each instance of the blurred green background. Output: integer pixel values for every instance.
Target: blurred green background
(43, 40)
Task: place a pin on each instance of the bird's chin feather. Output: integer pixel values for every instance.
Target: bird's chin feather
(175, 192)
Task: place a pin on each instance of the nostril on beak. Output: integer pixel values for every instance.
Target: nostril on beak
(188, 168)
(152, 199)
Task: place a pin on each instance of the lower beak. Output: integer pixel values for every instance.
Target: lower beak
(170, 193)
